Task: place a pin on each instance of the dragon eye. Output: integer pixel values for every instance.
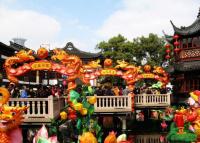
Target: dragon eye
(13, 113)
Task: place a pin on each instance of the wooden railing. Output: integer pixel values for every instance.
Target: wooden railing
(40, 109)
(43, 109)
(149, 100)
(113, 104)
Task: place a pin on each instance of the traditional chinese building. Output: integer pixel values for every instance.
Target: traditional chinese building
(186, 67)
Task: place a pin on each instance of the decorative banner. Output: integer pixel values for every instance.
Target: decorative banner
(108, 72)
(147, 75)
(41, 65)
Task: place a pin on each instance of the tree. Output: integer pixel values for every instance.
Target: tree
(151, 48)
(119, 48)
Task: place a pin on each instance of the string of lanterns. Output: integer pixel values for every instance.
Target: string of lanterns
(176, 49)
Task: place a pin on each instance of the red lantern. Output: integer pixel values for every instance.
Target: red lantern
(175, 36)
(176, 43)
(167, 46)
(176, 50)
(107, 62)
(168, 51)
(167, 57)
(42, 53)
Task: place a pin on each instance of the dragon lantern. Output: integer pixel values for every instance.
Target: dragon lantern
(10, 119)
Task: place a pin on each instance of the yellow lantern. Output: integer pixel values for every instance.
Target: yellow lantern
(83, 111)
(92, 99)
(78, 106)
(63, 115)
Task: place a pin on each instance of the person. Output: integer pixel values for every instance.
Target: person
(115, 90)
(11, 88)
(108, 91)
(24, 93)
(53, 90)
(31, 93)
(125, 91)
(16, 93)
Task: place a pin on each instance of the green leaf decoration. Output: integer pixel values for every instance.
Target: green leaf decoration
(74, 101)
(78, 124)
(98, 129)
(90, 89)
(99, 139)
(73, 95)
(86, 104)
(91, 109)
(42, 140)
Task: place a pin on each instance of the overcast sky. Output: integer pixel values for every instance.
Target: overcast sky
(87, 22)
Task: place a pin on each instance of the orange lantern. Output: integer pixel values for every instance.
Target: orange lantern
(42, 53)
(107, 62)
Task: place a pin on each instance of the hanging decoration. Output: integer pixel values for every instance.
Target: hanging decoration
(176, 44)
(167, 46)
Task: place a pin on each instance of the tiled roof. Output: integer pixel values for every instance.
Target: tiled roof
(69, 48)
(193, 29)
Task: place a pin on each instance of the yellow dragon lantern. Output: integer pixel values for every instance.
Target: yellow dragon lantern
(10, 119)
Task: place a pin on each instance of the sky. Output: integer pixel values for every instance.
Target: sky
(85, 23)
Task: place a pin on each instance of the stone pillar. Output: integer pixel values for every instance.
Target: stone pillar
(123, 119)
(37, 77)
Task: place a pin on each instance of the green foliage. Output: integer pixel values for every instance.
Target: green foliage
(82, 123)
(187, 137)
(119, 48)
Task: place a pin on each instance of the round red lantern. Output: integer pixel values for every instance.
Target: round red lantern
(42, 53)
(147, 68)
(168, 51)
(175, 36)
(167, 57)
(176, 43)
(167, 46)
(107, 62)
(176, 50)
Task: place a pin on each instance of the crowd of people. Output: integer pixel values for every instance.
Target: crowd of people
(39, 91)
(120, 90)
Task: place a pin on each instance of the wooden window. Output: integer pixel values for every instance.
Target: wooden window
(184, 43)
(189, 42)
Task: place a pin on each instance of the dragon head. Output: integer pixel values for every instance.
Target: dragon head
(10, 117)
(25, 55)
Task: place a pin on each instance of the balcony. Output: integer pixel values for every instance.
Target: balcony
(41, 110)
